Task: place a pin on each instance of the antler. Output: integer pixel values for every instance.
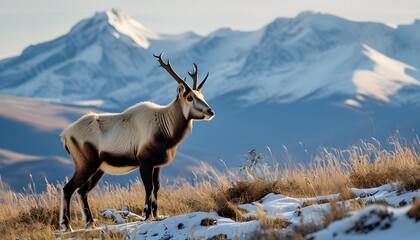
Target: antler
(194, 77)
(202, 83)
(168, 68)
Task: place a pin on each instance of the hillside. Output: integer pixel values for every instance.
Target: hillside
(353, 193)
(280, 217)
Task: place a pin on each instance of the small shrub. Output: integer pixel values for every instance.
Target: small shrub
(208, 222)
(412, 183)
(228, 209)
(241, 192)
(247, 192)
(253, 158)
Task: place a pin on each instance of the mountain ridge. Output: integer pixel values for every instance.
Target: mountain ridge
(109, 57)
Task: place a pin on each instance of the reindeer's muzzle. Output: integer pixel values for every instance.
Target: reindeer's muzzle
(209, 114)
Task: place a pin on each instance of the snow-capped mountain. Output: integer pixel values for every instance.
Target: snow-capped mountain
(294, 85)
(98, 56)
(313, 55)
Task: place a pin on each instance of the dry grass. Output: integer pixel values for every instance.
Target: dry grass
(414, 211)
(338, 211)
(35, 216)
(269, 223)
(401, 164)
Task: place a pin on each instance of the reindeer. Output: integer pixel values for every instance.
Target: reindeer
(144, 136)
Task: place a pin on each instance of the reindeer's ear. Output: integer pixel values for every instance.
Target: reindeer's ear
(181, 90)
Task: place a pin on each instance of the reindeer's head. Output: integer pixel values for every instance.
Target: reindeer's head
(193, 104)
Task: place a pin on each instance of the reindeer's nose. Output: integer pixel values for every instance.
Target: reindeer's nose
(210, 112)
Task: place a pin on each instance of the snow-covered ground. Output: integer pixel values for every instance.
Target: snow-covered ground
(374, 221)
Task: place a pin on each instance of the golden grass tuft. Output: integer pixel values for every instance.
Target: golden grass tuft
(338, 211)
(269, 225)
(268, 222)
(385, 166)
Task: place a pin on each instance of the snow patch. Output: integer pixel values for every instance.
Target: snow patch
(126, 25)
(373, 222)
(385, 79)
(353, 103)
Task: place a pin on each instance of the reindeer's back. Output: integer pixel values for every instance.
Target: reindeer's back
(113, 132)
(86, 128)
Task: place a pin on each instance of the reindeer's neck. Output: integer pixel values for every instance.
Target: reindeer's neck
(173, 125)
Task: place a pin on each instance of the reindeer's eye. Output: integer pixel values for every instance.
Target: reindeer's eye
(189, 98)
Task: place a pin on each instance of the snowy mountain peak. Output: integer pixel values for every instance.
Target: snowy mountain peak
(312, 25)
(222, 32)
(310, 15)
(116, 23)
(96, 23)
(322, 21)
(126, 25)
(115, 12)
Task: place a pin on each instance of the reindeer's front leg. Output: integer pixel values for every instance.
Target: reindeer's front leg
(156, 186)
(146, 172)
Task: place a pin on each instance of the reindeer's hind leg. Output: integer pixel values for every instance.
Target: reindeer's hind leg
(78, 179)
(83, 193)
(87, 163)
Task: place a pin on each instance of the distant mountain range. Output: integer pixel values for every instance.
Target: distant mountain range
(304, 82)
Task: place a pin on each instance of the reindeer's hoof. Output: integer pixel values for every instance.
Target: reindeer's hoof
(65, 227)
(148, 217)
(90, 224)
(147, 213)
(160, 218)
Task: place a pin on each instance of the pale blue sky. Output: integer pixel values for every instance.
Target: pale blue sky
(25, 22)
